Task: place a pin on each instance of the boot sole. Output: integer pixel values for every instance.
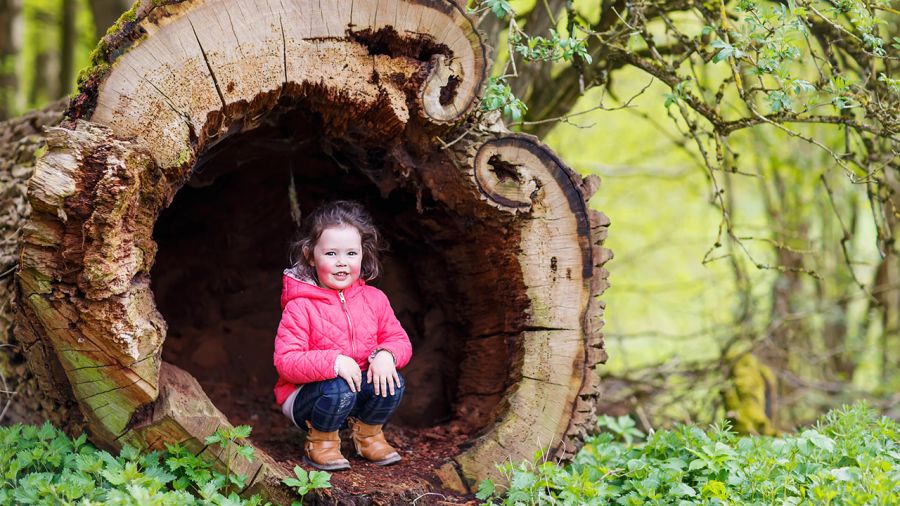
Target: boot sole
(388, 461)
(326, 467)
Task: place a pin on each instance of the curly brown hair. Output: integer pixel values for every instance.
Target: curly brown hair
(337, 213)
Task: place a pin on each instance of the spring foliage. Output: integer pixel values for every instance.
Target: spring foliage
(850, 457)
(41, 465)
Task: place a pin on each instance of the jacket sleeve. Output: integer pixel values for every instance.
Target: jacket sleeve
(294, 361)
(391, 335)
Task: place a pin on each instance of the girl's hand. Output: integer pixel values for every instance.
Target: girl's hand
(383, 373)
(350, 371)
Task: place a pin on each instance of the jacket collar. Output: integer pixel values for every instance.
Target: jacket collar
(294, 287)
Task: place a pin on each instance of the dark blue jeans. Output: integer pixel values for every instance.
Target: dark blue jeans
(327, 404)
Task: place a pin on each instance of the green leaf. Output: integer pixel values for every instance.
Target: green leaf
(241, 432)
(129, 452)
(723, 54)
(682, 490)
(246, 452)
(486, 490)
(320, 479)
(818, 440)
(501, 8)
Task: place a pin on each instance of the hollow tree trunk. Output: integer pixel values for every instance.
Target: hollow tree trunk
(200, 113)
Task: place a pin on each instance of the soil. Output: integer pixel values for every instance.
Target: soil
(412, 480)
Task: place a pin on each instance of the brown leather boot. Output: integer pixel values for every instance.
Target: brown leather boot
(369, 442)
(323, 450)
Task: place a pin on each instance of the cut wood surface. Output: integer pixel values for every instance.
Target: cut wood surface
(199, 69)
(495, 270)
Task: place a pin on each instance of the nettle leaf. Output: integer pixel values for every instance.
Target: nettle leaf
(486, 490)
(246, 452)
(46, 432)
(523, 480)
(241, 432)
(114, 476)
(214, 438)
(209, 490)
(129, 452)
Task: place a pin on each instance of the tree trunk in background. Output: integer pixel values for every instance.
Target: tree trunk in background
(537, 22)
(10, 10)
(40, 88)
(886, 287)
(105, 13)
(67, 47)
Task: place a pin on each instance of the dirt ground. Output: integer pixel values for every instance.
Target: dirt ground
(412, 480)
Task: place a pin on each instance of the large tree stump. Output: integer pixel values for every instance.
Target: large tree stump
(163, 209)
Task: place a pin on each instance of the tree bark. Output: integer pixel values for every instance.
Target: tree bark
(209, 106)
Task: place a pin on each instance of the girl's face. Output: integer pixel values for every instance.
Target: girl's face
(337, 257)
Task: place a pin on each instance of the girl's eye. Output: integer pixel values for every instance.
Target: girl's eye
(330, 253)
(352, 253)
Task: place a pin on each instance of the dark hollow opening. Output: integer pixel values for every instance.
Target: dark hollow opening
(224, 242)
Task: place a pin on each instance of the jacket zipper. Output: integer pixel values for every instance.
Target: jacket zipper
(349, 322)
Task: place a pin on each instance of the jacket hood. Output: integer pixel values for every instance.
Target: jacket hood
(294, 287)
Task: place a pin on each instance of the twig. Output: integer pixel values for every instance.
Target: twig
(9, 271)
(427, 494)
(565, 117)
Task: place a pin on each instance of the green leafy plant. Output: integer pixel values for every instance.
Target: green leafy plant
(851, 457)
(306, 482)
(229, 440)
(42, 465)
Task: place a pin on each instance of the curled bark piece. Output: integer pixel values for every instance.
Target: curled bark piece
(556, 240)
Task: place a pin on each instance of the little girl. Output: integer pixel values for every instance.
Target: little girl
(335, 328)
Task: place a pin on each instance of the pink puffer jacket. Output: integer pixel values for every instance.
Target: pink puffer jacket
(316, 327)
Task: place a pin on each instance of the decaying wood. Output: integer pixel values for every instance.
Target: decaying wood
(23, 400)
(511, 253)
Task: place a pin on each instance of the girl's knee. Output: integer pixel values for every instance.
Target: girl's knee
(338, 391)
(336, 387)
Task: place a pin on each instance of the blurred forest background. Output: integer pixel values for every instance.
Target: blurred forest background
(748, 152)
